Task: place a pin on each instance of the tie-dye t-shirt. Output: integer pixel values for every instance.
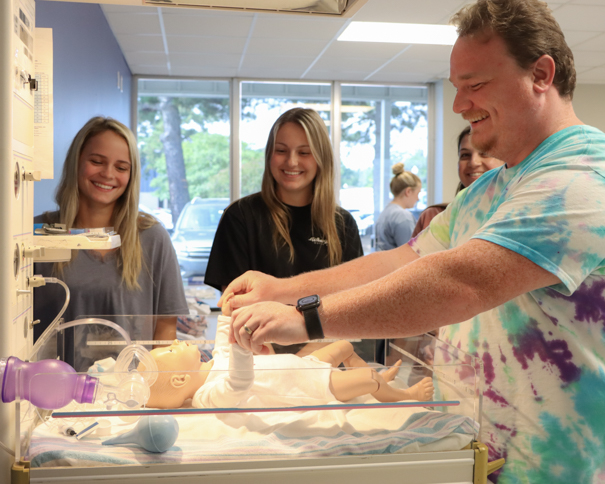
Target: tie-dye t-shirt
(543, 352)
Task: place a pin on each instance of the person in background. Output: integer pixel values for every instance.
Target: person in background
(513, 271)
(99, 187)
(471, 165)
(293, 225)
(395, 224)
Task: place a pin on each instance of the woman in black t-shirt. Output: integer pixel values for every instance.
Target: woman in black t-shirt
(293, 225)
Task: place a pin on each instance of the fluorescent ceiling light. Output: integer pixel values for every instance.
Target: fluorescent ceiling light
(399, 33)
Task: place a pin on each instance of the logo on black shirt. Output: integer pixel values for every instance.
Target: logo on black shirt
(318, 241)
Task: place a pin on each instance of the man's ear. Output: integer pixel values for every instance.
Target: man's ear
(179, 380)
(543, 72)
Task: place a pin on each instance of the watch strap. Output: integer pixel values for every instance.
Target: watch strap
(313, 323)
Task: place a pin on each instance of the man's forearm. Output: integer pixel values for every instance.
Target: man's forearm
(354, 273)
(437, 290)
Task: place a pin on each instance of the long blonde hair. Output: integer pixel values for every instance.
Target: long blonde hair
(324, 217)
(403, 179)
(126, 219)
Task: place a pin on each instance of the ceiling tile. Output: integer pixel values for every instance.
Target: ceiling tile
(581, 17)
(588, 59)
(295, 47)
(349, 64)
(364, 50)
(439, 12)
(277, 72)
(135, 23)
(189, 43)
(266, 63)
(596, 44)
(435, 53)
(146, 58)
(203, 71)
(204, 42)
(217, 60)
(576, 37)
(592, 76)
(141, 43)
(296, 27)
(223, 26)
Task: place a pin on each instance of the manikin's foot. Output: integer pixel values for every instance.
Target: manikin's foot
(390, 373)
(423, 390)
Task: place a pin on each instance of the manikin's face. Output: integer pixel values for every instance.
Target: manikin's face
(293, 166)
(179, 356)
(472, 163)
(495, 95)
(103, 169)
(178, 377)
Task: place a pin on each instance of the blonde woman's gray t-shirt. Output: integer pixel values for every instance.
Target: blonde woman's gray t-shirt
(96, 288)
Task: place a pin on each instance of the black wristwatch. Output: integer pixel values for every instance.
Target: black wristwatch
(308, 307)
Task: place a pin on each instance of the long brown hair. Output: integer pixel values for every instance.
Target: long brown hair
(126, 218)
(324, 216)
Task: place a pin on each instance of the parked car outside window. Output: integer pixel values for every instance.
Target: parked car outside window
(194, 233)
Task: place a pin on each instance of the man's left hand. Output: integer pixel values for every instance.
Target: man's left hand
(267, 322)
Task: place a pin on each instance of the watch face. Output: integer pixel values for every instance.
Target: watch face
(308, 300)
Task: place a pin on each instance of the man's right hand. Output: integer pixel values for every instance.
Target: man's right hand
(252, 287)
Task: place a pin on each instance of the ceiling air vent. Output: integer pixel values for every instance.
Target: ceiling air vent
(342, 8)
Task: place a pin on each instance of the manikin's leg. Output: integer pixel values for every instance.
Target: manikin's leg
(346, 385)
(362, 380)
(336, 353)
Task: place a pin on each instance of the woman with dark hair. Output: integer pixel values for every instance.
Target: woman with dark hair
(471, 165)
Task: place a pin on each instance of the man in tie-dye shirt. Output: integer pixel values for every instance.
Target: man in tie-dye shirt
(513, 271)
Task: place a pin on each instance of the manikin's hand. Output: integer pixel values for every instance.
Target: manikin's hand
(268, 322)
(251, 287)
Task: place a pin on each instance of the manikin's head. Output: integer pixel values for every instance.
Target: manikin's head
(179, 375)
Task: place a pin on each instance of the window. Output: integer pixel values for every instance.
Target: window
(186, 140)
(380, 126)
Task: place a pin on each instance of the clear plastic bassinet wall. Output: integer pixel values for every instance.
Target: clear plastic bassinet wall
(284, 403)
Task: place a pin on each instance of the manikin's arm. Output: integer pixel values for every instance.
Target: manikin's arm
(442, 288)
(254, 286)
(233, 386)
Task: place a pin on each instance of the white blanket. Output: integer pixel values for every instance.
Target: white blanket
(221, 437)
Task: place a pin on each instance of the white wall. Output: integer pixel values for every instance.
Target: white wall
(589, 104)
(452, 125)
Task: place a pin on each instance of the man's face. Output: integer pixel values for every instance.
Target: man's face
(495, 95)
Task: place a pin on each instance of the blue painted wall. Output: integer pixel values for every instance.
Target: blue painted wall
(86, 62)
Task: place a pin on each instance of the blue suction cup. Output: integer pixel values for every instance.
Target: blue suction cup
(155, 433)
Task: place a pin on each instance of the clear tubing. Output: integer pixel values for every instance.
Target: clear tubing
(44, 336)
(111, 324)
(58, 327)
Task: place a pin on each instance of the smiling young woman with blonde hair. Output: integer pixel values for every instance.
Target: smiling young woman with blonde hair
(99, 187)
(293, 225)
